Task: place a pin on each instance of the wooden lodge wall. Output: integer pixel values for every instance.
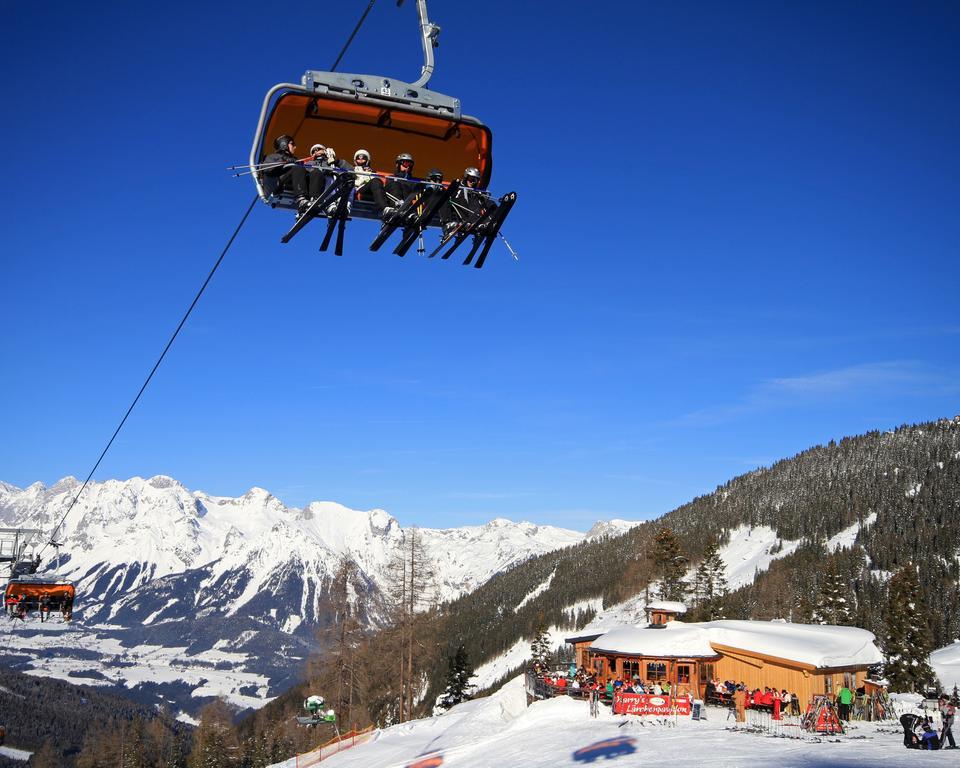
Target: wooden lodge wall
(805, 680)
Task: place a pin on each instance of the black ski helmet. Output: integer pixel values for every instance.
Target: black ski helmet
(405, 156)
(471, 173)
(282, 143)
(434, 174)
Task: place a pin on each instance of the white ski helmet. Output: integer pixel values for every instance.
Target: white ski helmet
(361, 152)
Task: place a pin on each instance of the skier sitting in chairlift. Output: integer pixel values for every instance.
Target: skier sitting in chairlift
(389, 196)
(283, 171)
(467, 204)
(320, 175)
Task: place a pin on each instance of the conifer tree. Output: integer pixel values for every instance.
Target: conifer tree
(540, 650)
(102, 747)
(906, 644)
(214, 739)
(47, 757)
(412, 588)
(833, 602)
(670, 565)
(710, 584)
(336, 673)
(459, 672)
(134, 745)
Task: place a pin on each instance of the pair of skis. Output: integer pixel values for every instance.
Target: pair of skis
(429, 200)
(337, 193)
(485, 228)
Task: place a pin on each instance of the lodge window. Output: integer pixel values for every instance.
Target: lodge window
(683, 673)
(850, 680)
(706, 673)
(828, 683)
(656, 671)
(631, 669)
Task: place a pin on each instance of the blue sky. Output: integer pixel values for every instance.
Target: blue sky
(738, 226)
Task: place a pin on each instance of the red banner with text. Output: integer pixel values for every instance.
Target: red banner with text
(649, 704)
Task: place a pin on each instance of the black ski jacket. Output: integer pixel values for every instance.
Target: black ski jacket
(401, 188)
(276, 163)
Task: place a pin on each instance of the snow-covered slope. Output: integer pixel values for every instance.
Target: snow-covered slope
(158, 565)
(500, 730)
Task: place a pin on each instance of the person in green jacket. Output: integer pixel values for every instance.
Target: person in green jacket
(844, 698)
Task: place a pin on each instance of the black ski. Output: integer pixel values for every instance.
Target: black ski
(493, 228)
(339, 218)
(412, 231)
(466, 229)
(479, 232)
(388, 228)
(311, 211)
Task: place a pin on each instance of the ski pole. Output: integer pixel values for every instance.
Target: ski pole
(506, 242)
(267, 165)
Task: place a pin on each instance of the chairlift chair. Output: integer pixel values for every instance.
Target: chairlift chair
(22, 580)
(381, 114)
(34, 587)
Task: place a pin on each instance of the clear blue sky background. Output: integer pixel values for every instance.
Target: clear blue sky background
(738, 226)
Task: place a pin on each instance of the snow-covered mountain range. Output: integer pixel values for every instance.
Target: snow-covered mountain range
(228, 585)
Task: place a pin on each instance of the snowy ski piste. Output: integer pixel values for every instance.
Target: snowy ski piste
(500, 730)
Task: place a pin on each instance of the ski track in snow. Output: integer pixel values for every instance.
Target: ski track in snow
(500, 730)
(537, 590)
(749, 551)
(848, 536)
(15, 754)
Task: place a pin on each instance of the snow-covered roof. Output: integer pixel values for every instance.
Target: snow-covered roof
(946, 663)
(673, 639)
(666, 605)
(814, 644)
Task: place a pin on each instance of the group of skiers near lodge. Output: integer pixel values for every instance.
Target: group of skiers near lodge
(581, 681)
(308, 179)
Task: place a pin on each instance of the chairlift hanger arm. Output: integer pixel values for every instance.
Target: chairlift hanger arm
(430, 38)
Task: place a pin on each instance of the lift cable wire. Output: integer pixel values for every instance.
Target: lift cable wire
(353, 34)
(53, 534)
(76, 498)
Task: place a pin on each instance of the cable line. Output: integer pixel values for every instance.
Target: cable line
(196, 298)
(156, 365)
(353, 34)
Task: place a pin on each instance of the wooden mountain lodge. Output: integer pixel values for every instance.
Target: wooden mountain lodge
(804, 659)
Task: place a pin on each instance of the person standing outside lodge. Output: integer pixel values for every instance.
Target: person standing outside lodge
(948, 711)
(740, 702)
(844, 698)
